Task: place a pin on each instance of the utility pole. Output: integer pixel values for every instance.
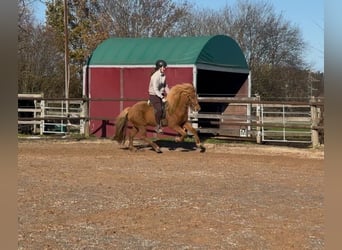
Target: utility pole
(66, 57)
(311, 80)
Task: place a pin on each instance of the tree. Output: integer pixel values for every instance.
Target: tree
(37, 68)
(25, 27)
(85, 33)
(90, 22)
(269, 42)
(42, 47)
(273, 47)
(143, 18)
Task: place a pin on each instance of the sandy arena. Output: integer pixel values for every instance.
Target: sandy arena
(94, 194)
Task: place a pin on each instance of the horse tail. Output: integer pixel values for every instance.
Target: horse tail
(120, 126)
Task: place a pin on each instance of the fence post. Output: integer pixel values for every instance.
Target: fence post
(35, 115)
(42, 114)
(37, 111)
(314, 123)
(258, 119)
(85, 114)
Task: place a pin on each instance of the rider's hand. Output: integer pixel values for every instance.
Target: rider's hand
(164, 99)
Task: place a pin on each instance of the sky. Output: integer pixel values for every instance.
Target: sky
(307, 15)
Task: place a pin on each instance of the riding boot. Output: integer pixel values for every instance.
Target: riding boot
(159, 129)
(163, 122)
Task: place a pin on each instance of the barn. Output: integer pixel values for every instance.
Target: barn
(119, 69)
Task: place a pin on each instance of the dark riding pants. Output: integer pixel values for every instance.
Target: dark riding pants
(157, 104)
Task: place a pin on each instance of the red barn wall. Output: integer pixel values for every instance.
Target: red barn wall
(123, 83)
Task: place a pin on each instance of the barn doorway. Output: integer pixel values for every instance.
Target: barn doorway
(212, 83)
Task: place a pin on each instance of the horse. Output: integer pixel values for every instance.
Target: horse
(180, 98)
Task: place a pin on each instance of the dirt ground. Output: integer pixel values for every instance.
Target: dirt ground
(94, 194)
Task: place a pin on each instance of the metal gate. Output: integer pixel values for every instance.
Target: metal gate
(285, 123)
(58, 114)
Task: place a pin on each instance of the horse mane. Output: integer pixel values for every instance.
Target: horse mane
(175, 95)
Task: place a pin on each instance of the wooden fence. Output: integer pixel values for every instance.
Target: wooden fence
(262, 121)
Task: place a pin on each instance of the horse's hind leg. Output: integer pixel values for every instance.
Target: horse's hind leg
(132, 134)
(150, 142)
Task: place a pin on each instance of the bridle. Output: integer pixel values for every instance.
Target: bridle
(193, 103)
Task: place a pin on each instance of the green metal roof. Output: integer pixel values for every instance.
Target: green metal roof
(218, 50)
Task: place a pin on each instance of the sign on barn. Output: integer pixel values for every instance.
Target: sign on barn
(120, 68)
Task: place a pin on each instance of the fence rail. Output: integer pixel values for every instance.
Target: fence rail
(263, 121)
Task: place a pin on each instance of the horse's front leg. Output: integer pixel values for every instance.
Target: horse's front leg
(189, 127)
(181, 132)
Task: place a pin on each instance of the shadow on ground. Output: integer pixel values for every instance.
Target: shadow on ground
(180, 146)
(168, 145)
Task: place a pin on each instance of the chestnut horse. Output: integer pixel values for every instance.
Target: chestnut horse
(141, 114)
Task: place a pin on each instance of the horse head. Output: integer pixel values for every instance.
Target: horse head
(192, 99)
(193, 102)
(182, 96)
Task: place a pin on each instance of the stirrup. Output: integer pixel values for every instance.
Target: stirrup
(158, 130)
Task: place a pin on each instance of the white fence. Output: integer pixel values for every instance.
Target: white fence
(28, 110)
(58, 113)
(285, 123)
(49, 116)
(249, 118)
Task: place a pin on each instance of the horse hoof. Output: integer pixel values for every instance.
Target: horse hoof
(132, 149)
(178, 139)
(202, 148)
(158, 151)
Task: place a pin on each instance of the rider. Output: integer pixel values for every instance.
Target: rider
(158, 90)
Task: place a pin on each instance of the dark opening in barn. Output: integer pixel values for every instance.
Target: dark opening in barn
(222, 84)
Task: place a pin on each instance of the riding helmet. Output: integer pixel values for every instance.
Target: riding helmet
(160, 63)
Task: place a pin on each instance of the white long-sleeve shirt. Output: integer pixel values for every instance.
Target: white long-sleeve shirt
(158, 85)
